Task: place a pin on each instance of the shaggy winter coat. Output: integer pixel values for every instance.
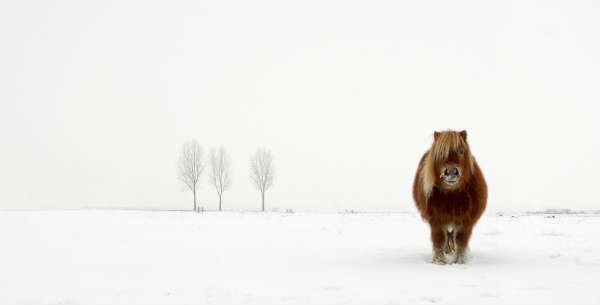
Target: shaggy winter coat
(452, 205)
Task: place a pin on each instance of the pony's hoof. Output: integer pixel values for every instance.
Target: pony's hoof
(460, 259)
(438, 260)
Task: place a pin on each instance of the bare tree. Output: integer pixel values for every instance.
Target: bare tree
(190, 166)
(220, 175)
(262, 171)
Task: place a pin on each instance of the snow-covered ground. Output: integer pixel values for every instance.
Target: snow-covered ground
(127, 257)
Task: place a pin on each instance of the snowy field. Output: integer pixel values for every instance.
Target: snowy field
(128, 257)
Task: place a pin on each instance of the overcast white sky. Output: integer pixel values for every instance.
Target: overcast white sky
(97, 97)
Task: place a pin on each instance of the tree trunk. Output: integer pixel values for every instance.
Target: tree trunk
(263, 201)
(220, 199)
(195, 208)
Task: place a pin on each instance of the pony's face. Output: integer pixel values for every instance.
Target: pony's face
(451, 159)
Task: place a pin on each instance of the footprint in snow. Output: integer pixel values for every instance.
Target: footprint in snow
(488, 295)
(430, 299)
(331, 288)
(554, 234)
(491, 233)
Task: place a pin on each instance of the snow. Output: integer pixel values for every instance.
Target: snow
(136, 257)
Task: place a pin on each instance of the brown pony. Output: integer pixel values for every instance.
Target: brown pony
(450, 193)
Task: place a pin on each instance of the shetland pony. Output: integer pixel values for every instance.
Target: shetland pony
(450, 193)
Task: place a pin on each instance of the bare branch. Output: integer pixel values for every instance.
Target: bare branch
(262, 170)
(190, 166)
(220, 175)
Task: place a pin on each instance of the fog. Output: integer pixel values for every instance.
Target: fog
(97, 98)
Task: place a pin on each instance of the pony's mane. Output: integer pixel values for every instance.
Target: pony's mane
(443, 145)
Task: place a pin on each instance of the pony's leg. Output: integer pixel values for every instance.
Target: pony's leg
(449, 245)
(462, 237)
(438, 238)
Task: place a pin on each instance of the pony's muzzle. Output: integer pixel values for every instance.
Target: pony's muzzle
(451, 174)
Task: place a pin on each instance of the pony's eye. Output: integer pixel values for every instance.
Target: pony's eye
(461, 151)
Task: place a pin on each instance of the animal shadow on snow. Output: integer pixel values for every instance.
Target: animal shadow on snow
(404, 257)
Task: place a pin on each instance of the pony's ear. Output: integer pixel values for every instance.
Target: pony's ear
(435, 135)
(463, 134)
